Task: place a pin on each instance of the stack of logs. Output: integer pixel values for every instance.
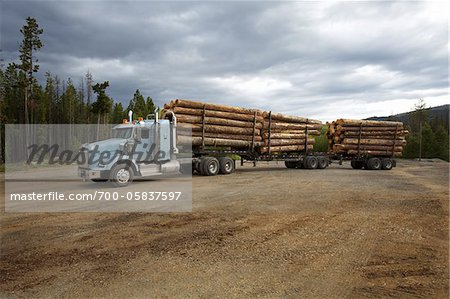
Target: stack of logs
(365, 137)
(241, 128)
(220, 125)
(284, 133)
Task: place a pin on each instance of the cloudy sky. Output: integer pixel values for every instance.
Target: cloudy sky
(316, 59)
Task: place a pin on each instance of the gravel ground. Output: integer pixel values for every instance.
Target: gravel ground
(260, 232)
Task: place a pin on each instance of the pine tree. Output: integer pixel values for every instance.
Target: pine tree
(89, 83)
(28, 63)
(118, 114)
(150, 106)
(103, 104)
(137, 105)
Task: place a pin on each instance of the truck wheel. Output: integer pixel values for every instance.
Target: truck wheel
(226, 165)
(290, 164)
(322, 162)
(121, 175)
(357, 164)
(386, 164)
(374, 164)
(311, 162)
(209, 166)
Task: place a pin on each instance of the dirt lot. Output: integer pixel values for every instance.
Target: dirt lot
(266, 231)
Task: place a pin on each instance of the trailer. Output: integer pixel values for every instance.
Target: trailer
(371, 145)
(209, 161)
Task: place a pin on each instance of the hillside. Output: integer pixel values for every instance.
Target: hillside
(438, 113)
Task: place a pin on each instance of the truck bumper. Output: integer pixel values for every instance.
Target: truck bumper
(88, 174)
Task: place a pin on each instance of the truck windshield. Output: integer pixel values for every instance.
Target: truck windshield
(123, 133)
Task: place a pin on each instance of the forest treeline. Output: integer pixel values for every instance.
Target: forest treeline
(428, 135)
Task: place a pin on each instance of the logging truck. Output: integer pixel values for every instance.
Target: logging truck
(193, 137)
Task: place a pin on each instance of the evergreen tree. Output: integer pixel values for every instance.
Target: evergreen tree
(103, 104)
(50, 96)
(28, 63)
(118, 114)
(442, 143)
(428, 141)
(137, 105)
(150, 106)
(89, 83)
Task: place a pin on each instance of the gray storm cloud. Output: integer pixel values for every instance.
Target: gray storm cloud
(322, 60)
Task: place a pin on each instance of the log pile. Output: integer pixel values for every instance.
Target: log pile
(219, 125)
(364, 137)
(241, 128)
(284, 133)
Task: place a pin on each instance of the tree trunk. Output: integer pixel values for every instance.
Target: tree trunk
(345, 147)
(291, 126)
(218, 135)
(376, 133)
(276, 142)
(278, 117)
(199, 105)
(373, 141)
(214, 142)
(182, 118)
(218, 129)
(374, 123)
(375, 153)
(284, 148)
(213, 113)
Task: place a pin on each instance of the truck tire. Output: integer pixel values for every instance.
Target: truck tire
(374, 164)
(226, 165)
(357, 164)
(209, 166)
(121, 175)
(322, 163)
(386, 164)
(290, 164)
(311, 162)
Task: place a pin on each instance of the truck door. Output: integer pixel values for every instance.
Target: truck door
(143, 145)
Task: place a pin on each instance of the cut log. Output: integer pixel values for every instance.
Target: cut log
(192, 119)
(214, 142)
(284, 148)
(290, 118)
(218, 135)
(375, 123)
(345, 147)
(284, 133)
(219, 129)
(291, 126)
(213, 113)
(340, 128)
(209, 106)
(373, 141)
(375, 133)
(375, 153)
(276, 142)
